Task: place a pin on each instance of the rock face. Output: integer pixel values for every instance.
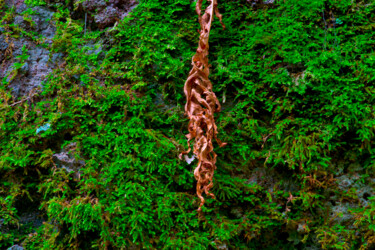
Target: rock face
(259, 2)
(35, 58)
(3, 47)
(66, 160)
(37, 61)
(15, 247)
(106, 13)
(19, 5)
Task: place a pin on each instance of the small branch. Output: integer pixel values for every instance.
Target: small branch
(23, 100)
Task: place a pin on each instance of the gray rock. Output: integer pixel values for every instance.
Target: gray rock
(301, 228)
(132, 5)
(92, 5)
(16, 90)
(49, 33)
(237, 211)
(38, 66)
(222, 246)
(43, 12)
(18, 44)
(15, 247)
(18, 20)
(340, 213)
(43, 60)
(364, 192)
(33, 218)
(67, 161)
(43, 23)
(106, 13)
(76, 76)
(268, 178)
(19, 5)
(347, 181)
(96, 51)
(3, 44)
(56, 57)
(24, 69)
(161, 103)
(40, 23)
(37, 53)
(107, 17)
(36, 69)
(344, 182)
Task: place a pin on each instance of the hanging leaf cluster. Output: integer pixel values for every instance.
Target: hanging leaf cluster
(201, 104)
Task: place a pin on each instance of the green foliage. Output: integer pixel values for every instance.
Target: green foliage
(35, 2)
(298, 102)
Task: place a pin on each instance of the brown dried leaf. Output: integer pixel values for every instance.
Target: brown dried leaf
(201, 104)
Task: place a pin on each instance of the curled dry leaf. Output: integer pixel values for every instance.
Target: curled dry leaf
(201, 104)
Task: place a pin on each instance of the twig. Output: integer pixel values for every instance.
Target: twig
(23, 100)
(85, 21)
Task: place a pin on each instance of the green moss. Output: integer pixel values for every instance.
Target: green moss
(298, 102)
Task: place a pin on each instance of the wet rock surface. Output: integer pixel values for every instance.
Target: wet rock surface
(15, 247)
(19, 5)
(340, 213)
(28, 222)
(35, 58)
(43, 24)
(3, 47)
(33, 71)
(40, 62)
(255, 2)
(66, 160)
(106, 13)
(268, 178)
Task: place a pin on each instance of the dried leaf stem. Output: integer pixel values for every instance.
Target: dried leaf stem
(201, 104)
